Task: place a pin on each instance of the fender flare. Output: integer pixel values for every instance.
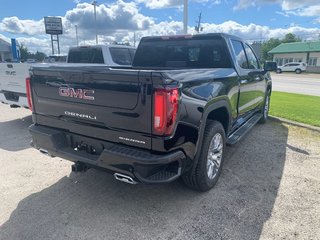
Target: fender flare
(208, 109)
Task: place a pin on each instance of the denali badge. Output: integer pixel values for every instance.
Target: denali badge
(132, 140)
(80, 115)
(76, 93)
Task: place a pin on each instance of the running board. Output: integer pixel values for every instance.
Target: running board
(243, 130)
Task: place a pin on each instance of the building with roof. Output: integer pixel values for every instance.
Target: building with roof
(5, 50)
(307, 52)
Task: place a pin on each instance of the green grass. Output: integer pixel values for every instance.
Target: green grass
(296, 107)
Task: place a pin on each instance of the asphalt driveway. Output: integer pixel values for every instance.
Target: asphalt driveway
(304, 83)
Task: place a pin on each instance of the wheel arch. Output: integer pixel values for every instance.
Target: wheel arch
(219, 111)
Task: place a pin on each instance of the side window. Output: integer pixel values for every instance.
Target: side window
(240, 55)
(121, 56)
(252, 60)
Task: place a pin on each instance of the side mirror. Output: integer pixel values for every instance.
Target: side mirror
(270, 66)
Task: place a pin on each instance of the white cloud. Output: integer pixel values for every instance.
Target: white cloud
(248, 32)
(16, 25)
(118, 22)
(306, 8)
(243, 4)
(288, 5)
(310, 11)
(119, 15)
(36, 44)
(283, 14)
(156, 4)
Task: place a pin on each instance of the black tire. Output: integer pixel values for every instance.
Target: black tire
(265, 109)
(298, 71)
(197, 178)
(279, 70)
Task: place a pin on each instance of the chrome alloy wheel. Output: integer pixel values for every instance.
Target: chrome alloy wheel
(214, 156)
(266, 107)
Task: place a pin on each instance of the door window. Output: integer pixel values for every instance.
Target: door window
(240, 54)
(253, 62)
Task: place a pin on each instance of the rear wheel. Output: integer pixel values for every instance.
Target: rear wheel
(298, 71)
(205, 174)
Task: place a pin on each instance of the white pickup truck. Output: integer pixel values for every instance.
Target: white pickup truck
(12, 83)
(13, 75)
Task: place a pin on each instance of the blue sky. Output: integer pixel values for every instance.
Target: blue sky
(118, 20)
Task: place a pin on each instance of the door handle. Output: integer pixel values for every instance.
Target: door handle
(244, 81)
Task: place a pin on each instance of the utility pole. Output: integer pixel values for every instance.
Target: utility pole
(185, 17)
(77, 35)
(94, 3)
(134, 39)
(198, 26)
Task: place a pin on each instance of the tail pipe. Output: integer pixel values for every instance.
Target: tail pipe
(124, 178)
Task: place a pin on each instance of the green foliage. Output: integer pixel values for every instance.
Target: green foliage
(25, 54)
(290, 37)
(267, 46)
(274, 42)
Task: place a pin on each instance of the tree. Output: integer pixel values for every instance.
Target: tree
(274, 42)
(290, 37)
(39, 56)
(268, 46)
(24, 53)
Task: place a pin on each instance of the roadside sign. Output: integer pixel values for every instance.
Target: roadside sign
(53, 25)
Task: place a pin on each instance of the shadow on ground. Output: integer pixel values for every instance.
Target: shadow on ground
(94, 206)
(17, 134)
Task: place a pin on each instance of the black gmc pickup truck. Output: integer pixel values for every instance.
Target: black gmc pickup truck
(170, 115)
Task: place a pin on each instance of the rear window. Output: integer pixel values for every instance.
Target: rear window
(52, 59)
(85, 55)
(183, 53)
(121, 56)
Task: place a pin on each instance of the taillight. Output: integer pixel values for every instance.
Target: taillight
(29, 96)
(166, 103)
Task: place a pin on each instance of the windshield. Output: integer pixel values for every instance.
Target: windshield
(183, 53)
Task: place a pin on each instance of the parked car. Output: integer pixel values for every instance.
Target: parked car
(296, 67)
(170, 115)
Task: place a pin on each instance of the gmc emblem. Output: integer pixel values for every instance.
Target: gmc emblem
(76, 93)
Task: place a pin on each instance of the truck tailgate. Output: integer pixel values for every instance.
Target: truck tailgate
(13, 76)
(116, 102)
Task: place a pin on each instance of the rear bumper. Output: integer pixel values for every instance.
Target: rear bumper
(141, 165)
(13, 98)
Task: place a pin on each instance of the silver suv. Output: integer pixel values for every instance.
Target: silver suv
(296, 67)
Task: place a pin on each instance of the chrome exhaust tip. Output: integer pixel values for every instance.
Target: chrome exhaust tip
(124, 178)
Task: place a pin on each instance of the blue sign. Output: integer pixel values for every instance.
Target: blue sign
(15, 51)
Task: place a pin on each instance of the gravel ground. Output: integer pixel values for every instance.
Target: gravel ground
(269, 189)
